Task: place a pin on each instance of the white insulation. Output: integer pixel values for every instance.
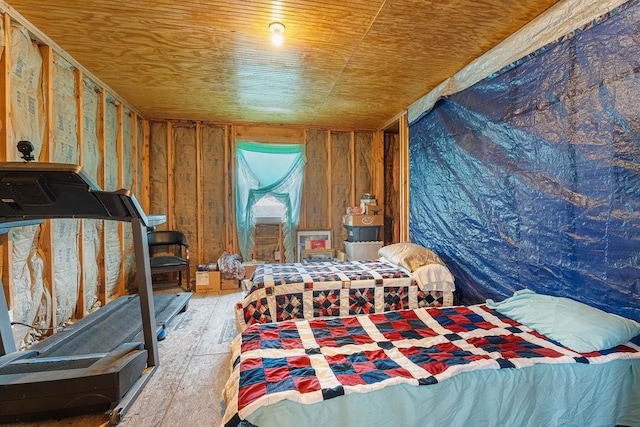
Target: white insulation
(29, 294)
(65, 250)
(127, 182)
(113, 254)
(91, 228)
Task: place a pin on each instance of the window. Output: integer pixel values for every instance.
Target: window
(268, 186)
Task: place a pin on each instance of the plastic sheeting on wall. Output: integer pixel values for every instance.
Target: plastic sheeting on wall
(531, 179)
(559, 19)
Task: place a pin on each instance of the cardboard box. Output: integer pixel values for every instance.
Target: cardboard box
(249, 268)
(208, 281)
(374, 210)
(362, 220)
(229, 284)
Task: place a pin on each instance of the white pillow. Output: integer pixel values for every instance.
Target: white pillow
(434, 277)
(409, 255)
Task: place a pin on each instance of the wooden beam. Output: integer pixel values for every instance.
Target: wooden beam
(199, 201)
(377, 172)
(231, 237)
(404, 178)
(81, 308)
(5, 135)
(146, 197)
(170, 187)
(121, 287)
(134, 153)
(377, 166)
(5, 91)
(303, 204)
(269, 134)
(101, 126)
(329, 183)
(352, 166)
(46, 152)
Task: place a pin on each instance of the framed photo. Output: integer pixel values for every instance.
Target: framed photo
(308, 239)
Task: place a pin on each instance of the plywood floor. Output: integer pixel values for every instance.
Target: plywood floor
(187, 387)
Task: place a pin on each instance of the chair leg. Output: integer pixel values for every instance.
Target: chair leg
(188, 278)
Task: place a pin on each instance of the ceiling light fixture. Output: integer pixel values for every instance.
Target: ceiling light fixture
(277, 33)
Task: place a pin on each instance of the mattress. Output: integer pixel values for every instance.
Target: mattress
(448, 365)
(292, 291)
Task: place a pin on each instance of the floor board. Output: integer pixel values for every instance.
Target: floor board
(186, 389)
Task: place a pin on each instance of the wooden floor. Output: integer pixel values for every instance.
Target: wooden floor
(186, 389)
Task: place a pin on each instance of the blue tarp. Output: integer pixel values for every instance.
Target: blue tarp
(531, 178)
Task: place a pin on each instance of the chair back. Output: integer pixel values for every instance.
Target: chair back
(169, 252)
(165, 238)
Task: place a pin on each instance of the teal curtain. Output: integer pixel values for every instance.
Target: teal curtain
(263, 170)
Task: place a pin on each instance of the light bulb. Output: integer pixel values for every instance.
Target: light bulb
(277, 33)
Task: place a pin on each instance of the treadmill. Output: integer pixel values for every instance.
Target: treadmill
(102, 362)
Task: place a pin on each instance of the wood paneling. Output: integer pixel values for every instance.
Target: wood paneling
(344, 64)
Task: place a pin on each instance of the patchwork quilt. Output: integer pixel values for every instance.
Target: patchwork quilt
(315, 360)
(331, 288)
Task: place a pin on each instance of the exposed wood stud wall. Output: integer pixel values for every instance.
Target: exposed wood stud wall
(327, 215)
(353, 150)
(46, 49)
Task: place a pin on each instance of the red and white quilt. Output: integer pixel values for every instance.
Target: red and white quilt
(332, 288)
(320, 359)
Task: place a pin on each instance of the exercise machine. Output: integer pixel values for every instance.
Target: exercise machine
(102, 362)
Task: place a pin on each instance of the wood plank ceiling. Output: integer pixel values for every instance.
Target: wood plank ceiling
(352, 64)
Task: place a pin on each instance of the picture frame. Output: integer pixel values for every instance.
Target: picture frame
(317, 255)
(313, 239)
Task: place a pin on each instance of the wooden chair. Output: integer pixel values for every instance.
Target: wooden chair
(174, 255)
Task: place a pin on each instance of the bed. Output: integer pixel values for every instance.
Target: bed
(454, 365)
(403, 279)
